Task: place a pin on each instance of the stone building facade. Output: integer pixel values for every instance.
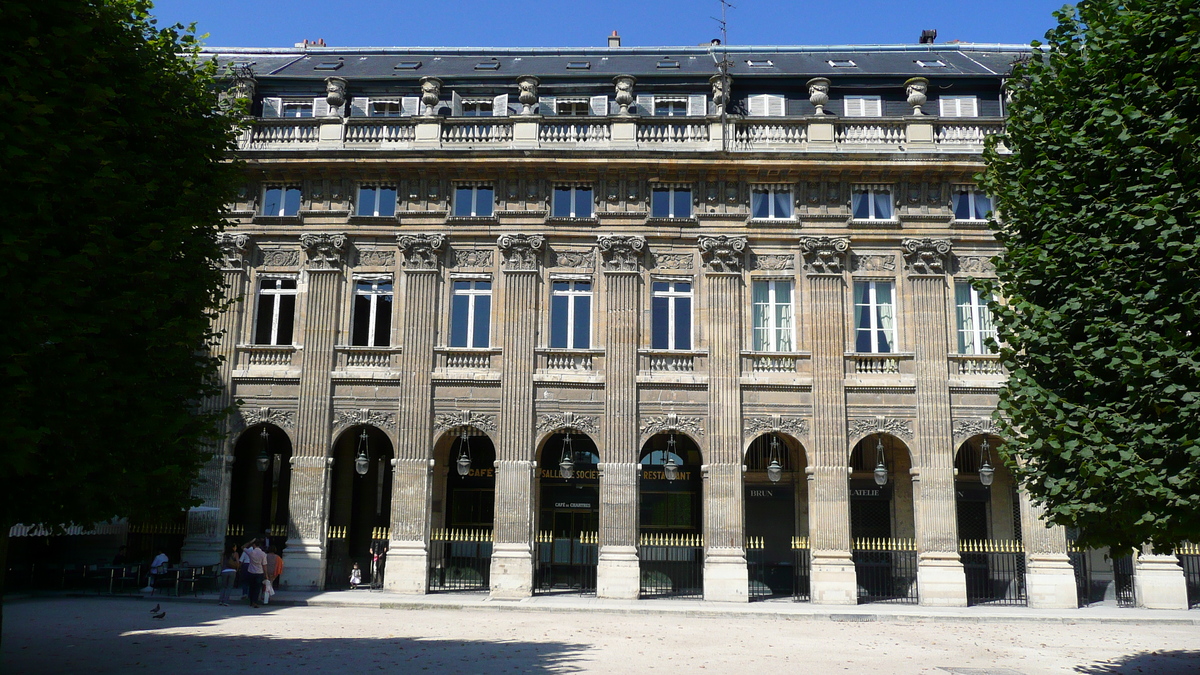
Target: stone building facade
(754, 284)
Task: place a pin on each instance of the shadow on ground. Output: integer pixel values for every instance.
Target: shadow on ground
(1167, 662)
(56, 637)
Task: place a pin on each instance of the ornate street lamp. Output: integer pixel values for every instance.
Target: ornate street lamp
(986, 473)
(881, 472)
(264, 458)
(463, 465)
(774, 468)
(670, 466)
(362, 462)
(566, 467)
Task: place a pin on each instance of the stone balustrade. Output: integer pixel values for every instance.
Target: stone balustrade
(878, 364)
(568, 360)
(366, 357)
(987, 365)
(465, 358)
(671, 361)
(274, 356)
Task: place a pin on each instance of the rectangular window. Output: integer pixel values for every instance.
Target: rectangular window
(377, 200)
(477, 108)
(671, 315)
(372, 313)
(473, 201)
(974, 320)
(670, 107)
(872, 202)
(770, 203)
(276, 312)
(969, 204)
(572, 202)
(571, 315)
(281, 200)
(959, 106)
(863, 106)
(471, 314)
(766, 105)
(671, 202)
(875, 309)
(577, 108)
(385, 109)
(297, 109)
(774, 330)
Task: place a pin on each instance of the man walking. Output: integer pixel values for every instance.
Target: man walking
(256, 571)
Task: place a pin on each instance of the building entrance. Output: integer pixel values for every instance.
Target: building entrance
(569, 517)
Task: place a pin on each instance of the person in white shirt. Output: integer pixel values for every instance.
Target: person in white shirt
(256, 571)
(157, 567)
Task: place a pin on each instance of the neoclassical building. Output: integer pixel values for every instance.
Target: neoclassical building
(637, 321)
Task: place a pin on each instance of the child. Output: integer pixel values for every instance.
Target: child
(355, 577)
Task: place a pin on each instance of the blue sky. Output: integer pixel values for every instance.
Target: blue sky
(584, 23)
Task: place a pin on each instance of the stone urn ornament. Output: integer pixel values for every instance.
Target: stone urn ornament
(431, 94)
(720, 94)
(624, 85)
(818, 93)
(335, 95)
(528, 85)
(916, 87)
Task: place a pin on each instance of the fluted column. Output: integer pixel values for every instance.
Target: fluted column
(1050, 579)
(940, 577)
(617, 574)
(310, 457)
(512, 553)
(205, 538)
(833, 581)
(412, 487)
(725, 574)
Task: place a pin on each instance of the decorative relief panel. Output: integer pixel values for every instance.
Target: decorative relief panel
(926, 256)
(674, 261)
(375, 258)
(567, 420)
(976, 264)
(586, 259)
(773, 262)
(966, 428)
(233, 250)
(722, 253)
(464, 418)
(873, 263)
(421, 251)
(473, 258)
(794, 426)
(521, 251)
(865, 426)
(671, 422)
(824, 255)
(375, 418)
(279, 257)
(324, 249)
(621, 253)
(285, 419)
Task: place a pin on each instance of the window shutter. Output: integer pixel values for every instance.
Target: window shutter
(758, 105)
(546, 105)
(321, 107)
(598, 106)
(776, 105)
(645, 104)
(360, 106)
(949, 106)
(455, 104)
(872, 107)
(500, 106)
(697, 105)
(272, 107)
(410, 106)
(968, 106)
(854, 107)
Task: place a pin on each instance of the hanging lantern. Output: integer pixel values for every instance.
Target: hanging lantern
(881, 472)
(463, 465)
(566, 467)
(986, 473)
(362, 462)
(774, 468)
(264, 458)
(671, 467)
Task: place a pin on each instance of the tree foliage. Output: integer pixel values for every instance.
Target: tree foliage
(113, 147)
(1099, 201)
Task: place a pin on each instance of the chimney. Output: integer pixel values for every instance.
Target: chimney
(614, 40)
(928, 36)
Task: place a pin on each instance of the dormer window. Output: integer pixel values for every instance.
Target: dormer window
(841, 63)
(931, 64)
(668, 63)
(760, 64)
(579, 65)
(328, 65)
(407, 65)
(488, 65)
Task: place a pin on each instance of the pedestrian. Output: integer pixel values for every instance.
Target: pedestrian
(355, 577)
(121, 558)
(244, 569)
(229, 571)
(258, 561)
(157, 567)
(269, 575)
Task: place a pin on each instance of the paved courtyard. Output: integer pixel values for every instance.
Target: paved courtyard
(117, 635)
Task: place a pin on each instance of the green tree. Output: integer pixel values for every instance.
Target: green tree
(1099, 200)
(114, 151)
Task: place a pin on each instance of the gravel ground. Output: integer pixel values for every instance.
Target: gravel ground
(103, 635)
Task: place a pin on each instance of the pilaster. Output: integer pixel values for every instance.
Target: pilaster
(1049, 577)
(833, 581)
(1158, 581)
(512, 555)
(617, 572)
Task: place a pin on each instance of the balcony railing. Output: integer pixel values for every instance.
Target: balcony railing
(597, 133)
(966, 133)
(776, 134)
(493, 132)
(976, 364)
(366, 357)
(660, 133)
(775, 363)
(277, 356)
(878, 364)
(891, 133)
(465, 358)
(671, 361)
(568, 360)
(282, 133)
(364, 131)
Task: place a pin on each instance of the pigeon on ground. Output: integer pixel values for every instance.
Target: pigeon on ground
(156, 608)
(160, 615)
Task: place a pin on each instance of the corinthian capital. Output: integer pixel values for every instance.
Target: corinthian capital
(722, 253)
(324, 249)
(233, 250)
(421, 251)
(520, 251)
(926, 256)
(824, 255)
(621, 253)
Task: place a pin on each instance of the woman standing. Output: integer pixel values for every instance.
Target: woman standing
(229, 570)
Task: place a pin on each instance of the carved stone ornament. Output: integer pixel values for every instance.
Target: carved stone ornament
(464, 419)
(285, 419)
(657, 424)
(584, 259)
(874, 263)
(233, 250)
(324, 249)
(375, 258)
(335, 95)
(723, 253)
(241, 88)
(520, 251)
(279, 257)
(818, 93)
(473, 258)
(421, 250)
(773, 262)
(966, 428)
(866, 426)
(375, 418)
(915, 88)
(621, 253)
(792, 426)
(431, 94)
(624, 88)
(528, 86)
(824, 255)
(926, 256)
(977, 264)
(720, 89)
(674, 261)
(567, 420)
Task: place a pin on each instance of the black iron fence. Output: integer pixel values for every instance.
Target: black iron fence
(995, 571)
(1123, 581)
(774, 578)
(672, 565)
(801, 553)
(886, 570)
(1083, 577)
(460, 560)
(566, 564)
(1189, 560)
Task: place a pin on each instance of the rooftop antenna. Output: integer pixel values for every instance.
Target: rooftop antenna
(723, 69)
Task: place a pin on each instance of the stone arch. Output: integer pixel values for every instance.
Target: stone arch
(359, 505)
(887, 511)
(260, 490)
(985, 512)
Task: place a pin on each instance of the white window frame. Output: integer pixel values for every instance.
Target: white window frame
(298, 103)
(766, 105)
(671, 190)
(277, 292)
(376, 187)
(572, 294)
(771, 191)
(371, 110)
(854, 105)
(474, 200)
(977, 306)
(970, 192)
(660, 100)
(958, 106)
(471, 293)
(672, 297)
(874, 304)
(771, 329)
(560, 103)
(374, 293)
(871, 191)
(574, 209)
